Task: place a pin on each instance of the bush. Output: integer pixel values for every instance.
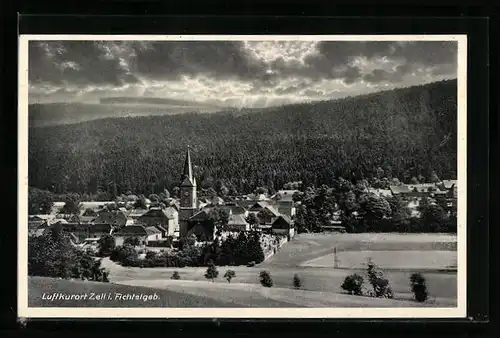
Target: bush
(379, 283)
(212, 272)
(122, 254)
(106, 245)
(419, 287)
(176, 275)
(150, 255)
(133, 241)
(297, 283)
(230, 274)
(353, 284)
(265, 279)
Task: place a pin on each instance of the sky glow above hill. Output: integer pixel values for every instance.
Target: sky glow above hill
(232, 73)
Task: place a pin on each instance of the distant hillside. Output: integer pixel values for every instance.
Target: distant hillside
(47, 114)
(154, 101)
(400, 133)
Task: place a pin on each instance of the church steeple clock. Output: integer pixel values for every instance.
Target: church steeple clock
(188, 201)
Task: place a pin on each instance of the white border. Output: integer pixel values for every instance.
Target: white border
(26, 312)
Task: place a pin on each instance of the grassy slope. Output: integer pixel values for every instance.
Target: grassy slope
(37, 286)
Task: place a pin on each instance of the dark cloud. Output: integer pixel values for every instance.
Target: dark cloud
(77, 62)
(115, 63)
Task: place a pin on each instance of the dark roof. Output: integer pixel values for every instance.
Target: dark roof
(160, 213)
(111, 217)
(100, 227)
(200, 216)
(132, 230)
(282, 218)
(257, 206)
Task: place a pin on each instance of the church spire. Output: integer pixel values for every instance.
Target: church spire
(188, 170)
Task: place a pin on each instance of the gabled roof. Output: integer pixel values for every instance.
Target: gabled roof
(152, 230)
(237, 220)
(200, 216)
(271, 210)
(282, 220)
(399, 189)
(257, 206)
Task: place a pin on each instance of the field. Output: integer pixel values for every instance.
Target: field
(308, 255)
(399, 255)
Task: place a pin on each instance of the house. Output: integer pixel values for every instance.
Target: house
(399, 189)
(199, 224)
(283, 225)
(167, 218)
(286, 207)
(117, 219)
(82, 230)
(267, 215)
(144, 234)
(237, 222)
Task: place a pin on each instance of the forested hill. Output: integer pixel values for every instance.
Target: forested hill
(402, 133)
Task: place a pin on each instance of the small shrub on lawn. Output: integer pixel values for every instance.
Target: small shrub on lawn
(175, 275)
(380, 284)
(230, 274)
(419, 287)
(212, 271)
(265, 279)
(297, 283)
(353, 284)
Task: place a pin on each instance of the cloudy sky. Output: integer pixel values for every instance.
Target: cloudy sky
(232, 73)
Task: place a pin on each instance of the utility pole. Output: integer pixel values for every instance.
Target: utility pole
(335, 259)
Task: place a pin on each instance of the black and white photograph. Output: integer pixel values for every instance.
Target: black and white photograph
(242, 176)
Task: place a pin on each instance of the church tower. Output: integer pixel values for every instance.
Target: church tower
(188, 202)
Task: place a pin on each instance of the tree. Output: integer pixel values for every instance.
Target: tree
(253, 221)
(176, 275)
(433, 217)
(71, 204)
(89, 213)
(400, 214)
(379, 283)
(230, 274)
(297, 283)
(167, 193)
(53, 255)
(375, 209)
(106, 245)
(265, 279)
(353, 284)
(176, 192)
(419, 287)
(219, 218)
(39, 201)
(211, 272)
